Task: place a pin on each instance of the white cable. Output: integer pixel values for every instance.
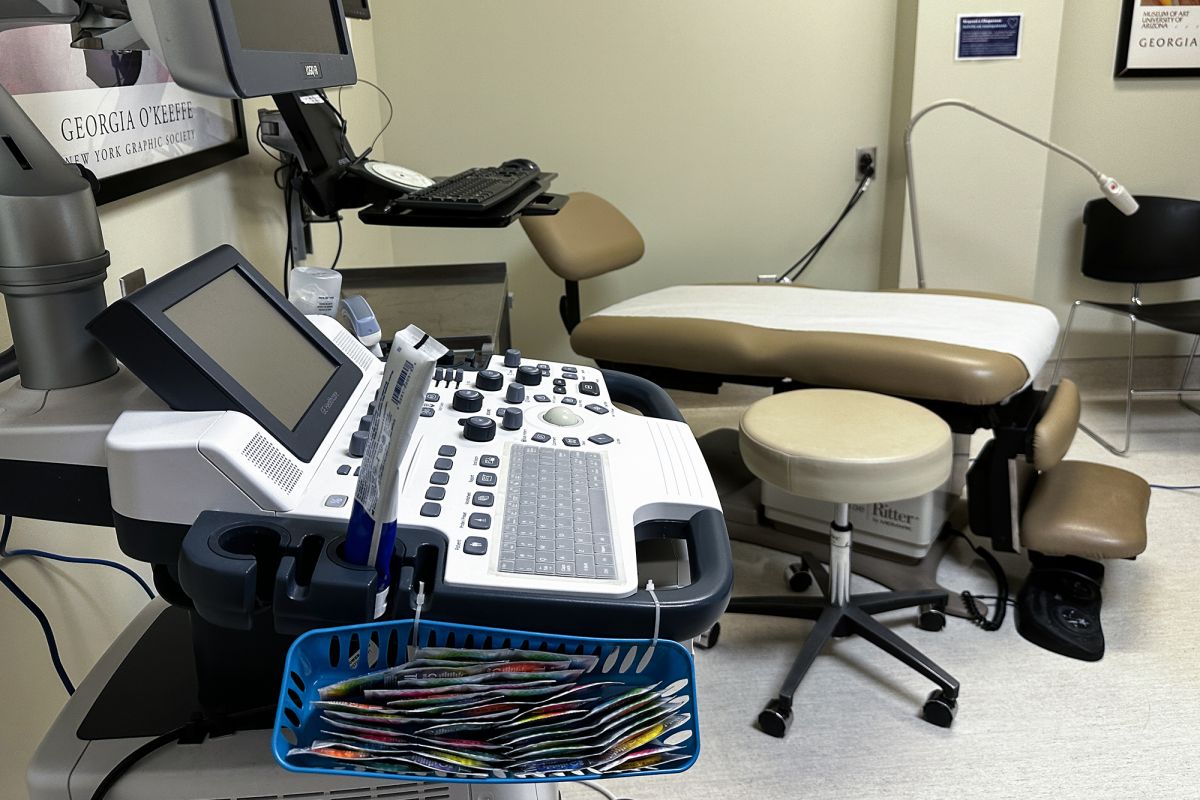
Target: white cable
(417, 617)
(657, 618)
(595, 787)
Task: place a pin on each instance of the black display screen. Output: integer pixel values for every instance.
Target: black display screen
(260, 348)
(288, 26)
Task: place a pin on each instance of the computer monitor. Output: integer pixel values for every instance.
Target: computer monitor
(249, 48)
(215, 335)
(358, 9)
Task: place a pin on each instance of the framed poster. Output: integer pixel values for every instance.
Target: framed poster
(118, 114)
(1158, 38)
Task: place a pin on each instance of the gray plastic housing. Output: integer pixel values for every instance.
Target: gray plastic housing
(198, 42)
(52, 258)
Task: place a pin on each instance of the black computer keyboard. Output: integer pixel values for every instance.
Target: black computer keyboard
(473, 190)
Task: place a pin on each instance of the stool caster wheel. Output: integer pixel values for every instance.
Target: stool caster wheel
(798, 577)
(940, 710)
(931, 619)
(708, 639)
(776, 718)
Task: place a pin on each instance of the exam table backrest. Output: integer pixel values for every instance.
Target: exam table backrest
(587, 238)
(1054, 432)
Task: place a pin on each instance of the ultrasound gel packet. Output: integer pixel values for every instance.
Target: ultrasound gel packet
(371, 534)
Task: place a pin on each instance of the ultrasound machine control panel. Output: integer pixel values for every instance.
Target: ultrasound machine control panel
(535, 478)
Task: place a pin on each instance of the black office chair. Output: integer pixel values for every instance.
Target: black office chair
(1161, 242)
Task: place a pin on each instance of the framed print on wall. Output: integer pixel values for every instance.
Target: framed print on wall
(118, 114)
(1158, 38)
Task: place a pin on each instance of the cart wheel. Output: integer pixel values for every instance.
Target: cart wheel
(798, 577)
(708, 639)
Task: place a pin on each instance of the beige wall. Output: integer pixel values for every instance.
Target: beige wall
(159, 230)
(980, 186)
(1143, 132)
(726, 131)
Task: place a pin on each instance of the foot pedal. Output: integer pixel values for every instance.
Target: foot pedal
(1058, 608)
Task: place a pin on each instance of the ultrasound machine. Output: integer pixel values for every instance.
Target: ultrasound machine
(220, 432)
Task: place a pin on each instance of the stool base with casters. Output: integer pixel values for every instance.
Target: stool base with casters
(840, 614)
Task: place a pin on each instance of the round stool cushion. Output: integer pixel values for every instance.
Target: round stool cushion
(846, 446)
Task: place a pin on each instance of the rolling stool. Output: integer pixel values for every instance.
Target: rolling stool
(846, 447)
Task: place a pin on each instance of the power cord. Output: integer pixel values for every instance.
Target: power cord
(867, 165)
(1002, 595)
(100, 562)
(47, 631)
(1164, 487)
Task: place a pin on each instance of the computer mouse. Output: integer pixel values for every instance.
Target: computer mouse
(522, 163)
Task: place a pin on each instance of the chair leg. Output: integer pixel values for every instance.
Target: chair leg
(882, 637)
(788, 605)
(1129, 393)
(821, 633)
(817, 570)
(879, 602)
(1187, 369)
(1062, 347)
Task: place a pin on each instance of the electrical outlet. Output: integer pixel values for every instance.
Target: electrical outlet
(858, 161)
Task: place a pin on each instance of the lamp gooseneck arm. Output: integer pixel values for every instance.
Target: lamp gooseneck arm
(912, 181)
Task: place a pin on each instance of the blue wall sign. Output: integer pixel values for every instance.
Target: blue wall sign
(987, 36)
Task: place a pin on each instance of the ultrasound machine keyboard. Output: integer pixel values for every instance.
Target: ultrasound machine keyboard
(556, 515)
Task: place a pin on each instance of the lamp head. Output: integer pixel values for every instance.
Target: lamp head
(1118, 195)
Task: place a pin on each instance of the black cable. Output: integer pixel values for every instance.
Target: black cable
(193, 731)
(123, 766)
(47, 631)
(100, 562)
(262, 144)
(287, 219)
(803, 263)
(1002, 595)
(386, 125)
(1173, 488)
(341, 239)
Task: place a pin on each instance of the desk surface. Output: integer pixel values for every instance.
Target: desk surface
(462, 305)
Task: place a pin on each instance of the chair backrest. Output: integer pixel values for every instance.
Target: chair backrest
(588, 237)
(1160, 242)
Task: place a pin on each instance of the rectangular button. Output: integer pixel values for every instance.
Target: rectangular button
(344, 469)
(435, 493)
(431, 510)
(479, 522)
(336, 501)
(590, 388)
(483, 499)
(443, 464)
(489, 462)
(606, 572)
(486, 479)
(439, 479)
(475, 546)
(448, 451)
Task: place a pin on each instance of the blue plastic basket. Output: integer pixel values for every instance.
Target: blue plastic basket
(323, 657)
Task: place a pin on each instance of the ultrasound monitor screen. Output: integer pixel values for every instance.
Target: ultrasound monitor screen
(260, 348)
(288, 26)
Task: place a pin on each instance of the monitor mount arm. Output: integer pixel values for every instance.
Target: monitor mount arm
(52, 256)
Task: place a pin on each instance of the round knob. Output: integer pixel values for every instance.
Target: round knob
(467, 400)
(479, 429)
(371, 406)
(364, 424)
(516, 393)
(529, 375)
(489, 380)
(563, 417)
(513, 419)
(358, 444)
(512, 358)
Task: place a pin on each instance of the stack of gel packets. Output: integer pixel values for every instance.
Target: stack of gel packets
(497, 714)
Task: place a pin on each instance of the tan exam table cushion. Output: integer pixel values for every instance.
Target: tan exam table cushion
(957, 347)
